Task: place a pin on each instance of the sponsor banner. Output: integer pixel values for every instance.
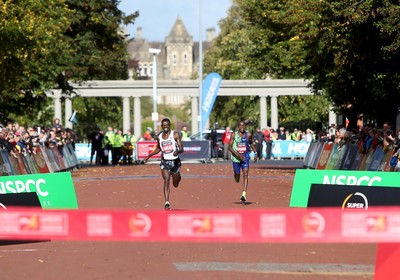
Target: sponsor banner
(289, 148)
(7, 163)
(310, 154)
(376, 159)
(191, 149)
(55, 190)
(27, 199)
(31, 164)
(58, 158)
(358, 158)
(324, 157)
(352, 197)
(304, 178)
(342, 152)
(83, 151)
(144, 148)
(333, 158)
(209, 93)
(317, 155)
(3, 167)
(196, 150)
(350, 156)
(300, 225)
(22, 165)
(385, 164)
(40, 160)
(15, 167)
(366, 160)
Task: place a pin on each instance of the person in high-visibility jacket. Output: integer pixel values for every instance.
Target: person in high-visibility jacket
(117, 144)
(128, 148)
(108, 140)
(184, 134)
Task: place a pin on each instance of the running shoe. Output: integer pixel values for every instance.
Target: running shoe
(167, 206)
(243, 197)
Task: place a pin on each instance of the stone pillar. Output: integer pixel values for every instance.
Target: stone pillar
(274, 112)
(126, 121)
(137, 119)
(57, 104)
(68, 113)
(263, 112)
(195, 114)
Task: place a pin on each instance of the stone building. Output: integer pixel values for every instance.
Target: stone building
(178, 59)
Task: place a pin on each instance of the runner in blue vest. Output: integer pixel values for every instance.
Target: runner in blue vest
(240, 145)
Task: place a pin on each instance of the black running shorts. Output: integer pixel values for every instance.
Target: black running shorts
(174, 166)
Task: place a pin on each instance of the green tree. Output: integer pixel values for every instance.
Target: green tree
(353, 57)
(32, 50)
(47, 44)
(256, 41)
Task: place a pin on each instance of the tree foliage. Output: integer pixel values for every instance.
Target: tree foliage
(348, 50)
(353, 57)
(256, 42)
(47, 44)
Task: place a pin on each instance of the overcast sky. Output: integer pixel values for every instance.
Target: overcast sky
(158, 16)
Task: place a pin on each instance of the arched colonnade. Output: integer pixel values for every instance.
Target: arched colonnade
(138, 88)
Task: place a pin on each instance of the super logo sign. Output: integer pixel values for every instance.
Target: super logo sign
(304, 179)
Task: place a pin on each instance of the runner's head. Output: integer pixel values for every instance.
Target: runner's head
(165, 125)
(242, 126)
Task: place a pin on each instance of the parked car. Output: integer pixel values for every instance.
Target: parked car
(206, 135)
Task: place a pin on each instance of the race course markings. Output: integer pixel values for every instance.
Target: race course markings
(189, 176)
(280, 268)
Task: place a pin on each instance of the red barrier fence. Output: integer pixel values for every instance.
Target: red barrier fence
(324, 225)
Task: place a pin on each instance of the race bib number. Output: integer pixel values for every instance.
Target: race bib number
(241, 148)
(167, 146)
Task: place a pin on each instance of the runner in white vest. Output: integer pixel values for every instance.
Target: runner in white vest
(170, 145)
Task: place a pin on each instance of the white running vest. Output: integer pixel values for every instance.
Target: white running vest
(168, 146)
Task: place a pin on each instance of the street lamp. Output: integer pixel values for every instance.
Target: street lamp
(200, 64)
(154, 115)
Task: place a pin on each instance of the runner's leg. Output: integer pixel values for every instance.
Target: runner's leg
(166, 176)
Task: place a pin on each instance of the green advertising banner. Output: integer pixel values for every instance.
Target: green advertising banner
(55, 190)
(305, 177)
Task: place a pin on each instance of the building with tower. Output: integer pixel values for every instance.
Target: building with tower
(178, 59)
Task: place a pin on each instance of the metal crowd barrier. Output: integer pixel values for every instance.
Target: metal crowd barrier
(331, 156)
(41, 160)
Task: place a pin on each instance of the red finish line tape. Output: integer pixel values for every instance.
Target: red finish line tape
(300, 225)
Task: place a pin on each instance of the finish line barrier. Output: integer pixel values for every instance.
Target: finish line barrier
(300, 225)
(294, 225)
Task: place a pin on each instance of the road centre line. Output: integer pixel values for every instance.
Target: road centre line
(280, 268)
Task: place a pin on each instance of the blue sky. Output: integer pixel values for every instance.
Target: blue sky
(158, 16)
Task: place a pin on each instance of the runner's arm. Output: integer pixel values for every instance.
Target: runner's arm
(155, 151)
(178, 140)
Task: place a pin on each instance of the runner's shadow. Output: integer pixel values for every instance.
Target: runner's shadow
(243, 203)
(16, 242)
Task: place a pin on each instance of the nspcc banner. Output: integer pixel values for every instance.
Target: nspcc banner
(352, 197)
(55, 190)
(304, 178)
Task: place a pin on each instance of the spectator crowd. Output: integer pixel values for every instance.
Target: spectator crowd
(18, 139)
(366, 136)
